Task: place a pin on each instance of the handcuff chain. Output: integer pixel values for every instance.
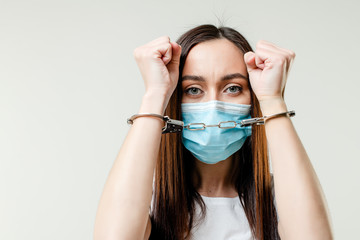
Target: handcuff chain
(172, 125)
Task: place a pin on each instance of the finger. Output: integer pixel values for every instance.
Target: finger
(249, 59)
(266, 57)
(262, 44)
(259, 60)
(176, 52)
(159, 40)
(165, 51)
(272, 56)
(267, 53)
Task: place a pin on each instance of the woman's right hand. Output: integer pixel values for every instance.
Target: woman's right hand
(158, 62)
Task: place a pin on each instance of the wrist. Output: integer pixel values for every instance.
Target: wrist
(153, 103)
(272, 106)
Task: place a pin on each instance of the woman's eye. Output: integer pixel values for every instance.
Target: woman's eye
(234, 89)
(193, 91)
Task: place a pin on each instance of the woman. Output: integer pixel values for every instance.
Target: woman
(212, 75)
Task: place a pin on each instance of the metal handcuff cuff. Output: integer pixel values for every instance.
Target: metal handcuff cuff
(175, 126)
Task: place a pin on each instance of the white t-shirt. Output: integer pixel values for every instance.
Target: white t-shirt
(225, 219)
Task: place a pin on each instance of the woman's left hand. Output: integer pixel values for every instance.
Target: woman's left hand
(268, 69)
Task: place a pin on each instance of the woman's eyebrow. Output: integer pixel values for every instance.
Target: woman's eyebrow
(224, 78)
(232, 76)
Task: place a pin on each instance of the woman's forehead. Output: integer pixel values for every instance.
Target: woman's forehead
(215, 55)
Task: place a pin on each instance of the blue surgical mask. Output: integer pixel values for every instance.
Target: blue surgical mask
(213, 144)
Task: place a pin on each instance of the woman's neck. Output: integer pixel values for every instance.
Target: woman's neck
(215, 179)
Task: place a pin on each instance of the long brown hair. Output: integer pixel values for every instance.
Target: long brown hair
(175, 194)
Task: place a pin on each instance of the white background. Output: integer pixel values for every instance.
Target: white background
(68, 82)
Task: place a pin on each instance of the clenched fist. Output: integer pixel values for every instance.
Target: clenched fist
(158, 62)
(268, 69)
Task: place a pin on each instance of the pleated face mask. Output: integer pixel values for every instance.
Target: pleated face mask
(211, 132)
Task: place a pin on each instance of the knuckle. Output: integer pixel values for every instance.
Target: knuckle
(164, 38)
(280, 60)
(260, 43)
(136, 52)
(168, 45)
(292, 53)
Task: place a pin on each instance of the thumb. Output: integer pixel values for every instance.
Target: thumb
(249, 59)
(175, 60)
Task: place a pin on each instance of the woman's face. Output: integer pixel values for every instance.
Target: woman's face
(215, 70)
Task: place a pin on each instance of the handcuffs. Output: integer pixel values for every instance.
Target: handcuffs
(176, 126)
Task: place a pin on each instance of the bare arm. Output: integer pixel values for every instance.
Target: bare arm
(300, 201)
(123, 211)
